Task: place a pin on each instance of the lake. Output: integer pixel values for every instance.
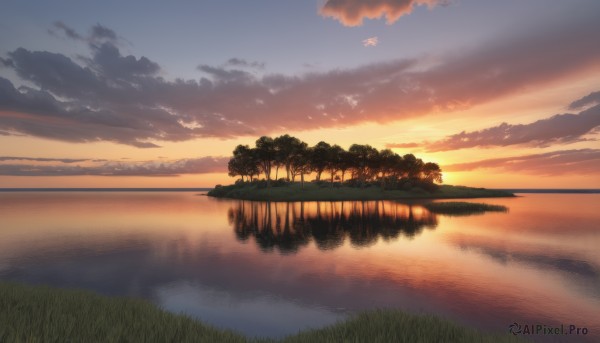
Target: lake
(271, 269)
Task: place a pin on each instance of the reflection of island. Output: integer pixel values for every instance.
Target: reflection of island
(288, 226)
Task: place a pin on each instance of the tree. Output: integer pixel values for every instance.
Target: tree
(334, 159)
(265, 154)
(235, 168)
(362, 156)
(412, 166)
(286, 147)
(302, 163)
(388, 161)
(243, 163)
(319, 158)
(373, 164)
(432, 172)
(345, 162)
(297, 159)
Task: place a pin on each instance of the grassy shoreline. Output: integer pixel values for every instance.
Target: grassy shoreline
(44, 314)
(315, 192)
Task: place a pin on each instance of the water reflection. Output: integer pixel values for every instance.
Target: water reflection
(290, 226)
(538, 263)
(559, 262)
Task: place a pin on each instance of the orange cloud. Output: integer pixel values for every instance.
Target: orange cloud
(560, 128)
(353, 12)
(582, 161)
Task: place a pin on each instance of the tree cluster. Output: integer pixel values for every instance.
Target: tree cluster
(364, 164)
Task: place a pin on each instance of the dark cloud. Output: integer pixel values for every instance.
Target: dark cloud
(6, 62)
(353, 12)
(590, 99)
(39, 113)
(97, 35)
(117, 98)
(239, 62)
(66, 30)
(227, 75)
(55, 73)
(575, 162)
(100, 32)
(560, 128)
(114, 168)
(110, 62)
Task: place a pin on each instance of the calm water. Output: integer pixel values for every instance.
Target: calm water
(273, 269)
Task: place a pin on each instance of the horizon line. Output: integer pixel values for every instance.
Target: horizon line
(193, 189)
(103, 189)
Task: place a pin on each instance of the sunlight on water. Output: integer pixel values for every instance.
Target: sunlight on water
(271, 269)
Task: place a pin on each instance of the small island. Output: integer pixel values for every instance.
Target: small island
(372, 174)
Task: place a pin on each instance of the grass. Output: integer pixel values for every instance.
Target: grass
(463, 208)
(315, 192)
(44, 314)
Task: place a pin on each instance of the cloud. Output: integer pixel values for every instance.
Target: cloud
(370, 41)
(100, 32)
(6, 62)
(41, 159)
(66, 30)
(588, 100)
(353, 12)
(228, 75)
(108, 59)
(39, 113)
(123, 99)
(560, 128)
(201, 165)
(402, 145)
(583, 161)
(239, 62)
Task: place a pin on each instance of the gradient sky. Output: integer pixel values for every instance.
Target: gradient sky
(157, 94)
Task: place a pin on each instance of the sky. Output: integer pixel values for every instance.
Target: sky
(502, 94)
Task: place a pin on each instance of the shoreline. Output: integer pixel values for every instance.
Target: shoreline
(47, 314)
(324, 192)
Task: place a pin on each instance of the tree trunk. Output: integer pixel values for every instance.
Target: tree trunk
(267, 168)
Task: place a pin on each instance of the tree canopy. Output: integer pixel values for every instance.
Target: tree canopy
(366, 164)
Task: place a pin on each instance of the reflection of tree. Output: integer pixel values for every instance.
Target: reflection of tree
(288, 226)
(270, 225)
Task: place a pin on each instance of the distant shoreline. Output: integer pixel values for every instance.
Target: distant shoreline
(549, 190)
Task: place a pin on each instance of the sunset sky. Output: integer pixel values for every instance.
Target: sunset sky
(157, 94)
